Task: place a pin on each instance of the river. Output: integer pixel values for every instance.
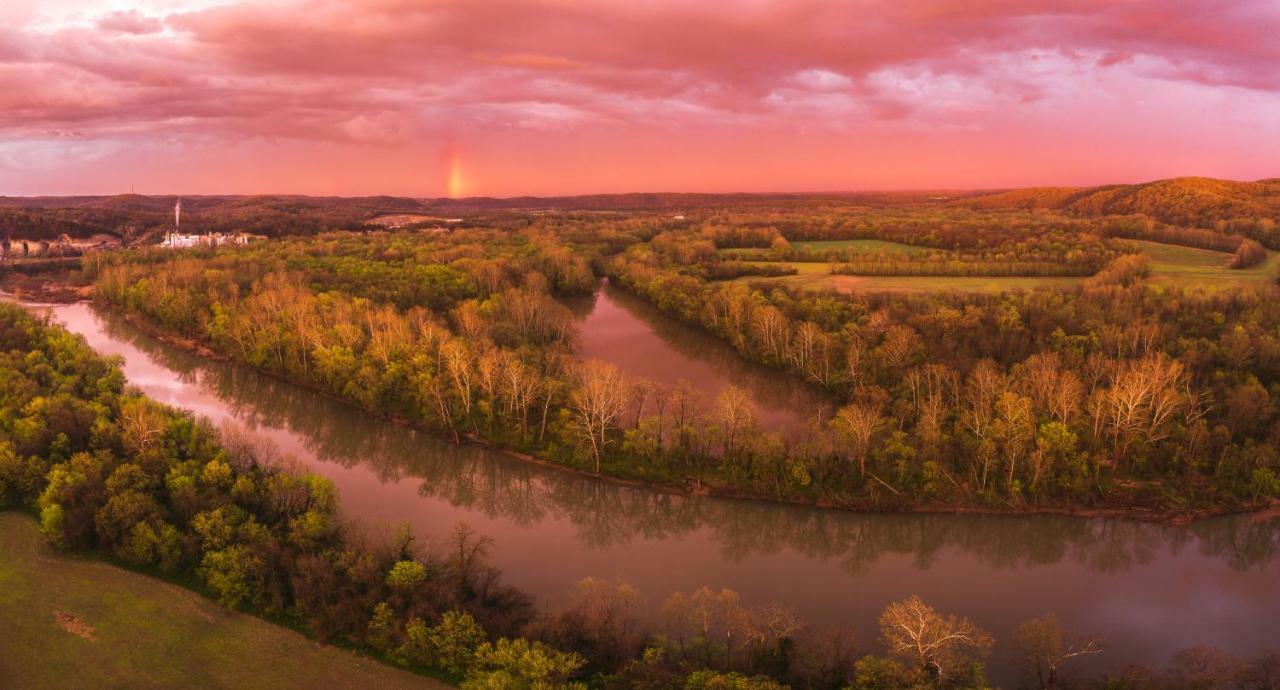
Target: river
(619, 327)
(1149, 589)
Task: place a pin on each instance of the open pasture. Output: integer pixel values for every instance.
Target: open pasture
(1177, 265)
(818, 276)
(71, 622)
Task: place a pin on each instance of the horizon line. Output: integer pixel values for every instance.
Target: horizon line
(836, 192)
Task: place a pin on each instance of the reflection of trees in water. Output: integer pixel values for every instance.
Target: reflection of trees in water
(767, 387)
(606, 514)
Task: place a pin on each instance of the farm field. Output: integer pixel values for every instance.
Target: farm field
(1174, 264)
(78, 623)
(817, 276)
(869, 246)
(1170, 265)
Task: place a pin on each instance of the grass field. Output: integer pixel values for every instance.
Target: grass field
(817, 276)
(870, 246)
(67, 622)
(1172, 264)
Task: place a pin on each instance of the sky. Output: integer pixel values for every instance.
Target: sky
(431, 98)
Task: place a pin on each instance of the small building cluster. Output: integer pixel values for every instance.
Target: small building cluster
(177, 240)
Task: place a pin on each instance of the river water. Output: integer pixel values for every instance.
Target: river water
(619, 327)
(1149, 589)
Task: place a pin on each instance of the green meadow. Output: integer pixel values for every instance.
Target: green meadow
(1170, 265)
(1177, 265)
(71, 622)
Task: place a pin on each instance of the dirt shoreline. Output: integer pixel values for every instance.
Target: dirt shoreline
(697, 487)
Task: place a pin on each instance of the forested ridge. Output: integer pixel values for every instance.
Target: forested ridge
(1247, 207)
(1242, 208)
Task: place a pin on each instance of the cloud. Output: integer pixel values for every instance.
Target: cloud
(377, 72)
(129, 22)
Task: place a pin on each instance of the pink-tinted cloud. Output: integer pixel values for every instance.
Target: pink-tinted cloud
(129, 22)
(555, 96)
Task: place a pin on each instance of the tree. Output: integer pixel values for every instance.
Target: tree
(1042, 648)
(1055, 444)
(141, 425)
(382, 627)
(982, 390)
(899, 346)
(454, 641)
(599, 398)
(522, 665)
(857, 425)
(735, 413)
(715, 680)
(405, 575)
(235, 574)
(609, 611)
(1014, 429)
(929, 641)
(877, 673)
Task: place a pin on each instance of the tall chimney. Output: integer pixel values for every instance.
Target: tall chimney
(177, 214)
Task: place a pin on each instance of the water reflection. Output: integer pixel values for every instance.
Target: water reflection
(1151, 589)
(616, 326)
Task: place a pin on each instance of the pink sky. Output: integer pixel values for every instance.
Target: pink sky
(562, 97)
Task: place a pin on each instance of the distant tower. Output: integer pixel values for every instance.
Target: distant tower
(177, 214)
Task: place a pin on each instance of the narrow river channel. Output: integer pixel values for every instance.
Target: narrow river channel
(1149, 589)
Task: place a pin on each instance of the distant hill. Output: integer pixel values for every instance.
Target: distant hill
(1187, 201)
(1193, 201)
(676, 201)
(128, 215)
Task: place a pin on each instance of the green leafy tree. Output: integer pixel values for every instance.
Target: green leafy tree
(454, 641)
(382, 628)
(234, 574)
(522, 665)
(406, 575)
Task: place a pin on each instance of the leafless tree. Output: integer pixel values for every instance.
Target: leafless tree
(1043, 647)
(921, 636)
(857, 425)
(599, 398)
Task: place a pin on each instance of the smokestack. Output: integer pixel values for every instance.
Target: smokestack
(177, 214)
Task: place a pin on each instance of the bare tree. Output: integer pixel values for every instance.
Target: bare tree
(457, 362)
(934, 643)
(609, 610)
(599, 398)
(857, 425)
(735, 413)
(982, 390)
(1014, 428)
(1043, 647)
(142, 425)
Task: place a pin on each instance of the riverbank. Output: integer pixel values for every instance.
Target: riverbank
(55, 281)
(693, 486)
